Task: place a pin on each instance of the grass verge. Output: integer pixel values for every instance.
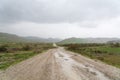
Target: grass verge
(104, 53)
(13, 53)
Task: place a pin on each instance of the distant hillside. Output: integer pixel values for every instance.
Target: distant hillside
(73, 40)
(87, 40)
(5, 37)
(37, 39)
(114, 41)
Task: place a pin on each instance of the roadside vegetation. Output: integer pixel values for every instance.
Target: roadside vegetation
(12, 53)
(108, 53)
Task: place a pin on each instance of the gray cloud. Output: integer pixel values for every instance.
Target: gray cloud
(56, 11)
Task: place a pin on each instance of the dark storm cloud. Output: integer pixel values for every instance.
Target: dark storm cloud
(55, 11)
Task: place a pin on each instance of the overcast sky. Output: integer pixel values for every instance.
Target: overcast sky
(61, 18)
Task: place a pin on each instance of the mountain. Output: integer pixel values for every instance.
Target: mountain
(6, 37)
(114, 41)
(87, 40)
(37, 39)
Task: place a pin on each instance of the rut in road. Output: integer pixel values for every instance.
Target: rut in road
(59, 64)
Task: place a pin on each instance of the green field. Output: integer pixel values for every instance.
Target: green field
(109, 49)
(109, 54)
(12, 53)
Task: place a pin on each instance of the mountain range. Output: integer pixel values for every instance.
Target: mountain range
(6, 37)
(88, 40)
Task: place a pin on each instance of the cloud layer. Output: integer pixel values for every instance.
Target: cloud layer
(61, 18)
(56, 11)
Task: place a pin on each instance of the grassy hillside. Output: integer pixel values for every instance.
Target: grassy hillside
(5, 37)
(87, 40)
(37, 39)
(73, 40)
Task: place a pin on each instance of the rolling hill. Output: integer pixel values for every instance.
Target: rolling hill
(87, 40)
(6, 37)
(46, 40)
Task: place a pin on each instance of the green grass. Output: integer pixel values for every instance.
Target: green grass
(109, 49)
(112, 60)
(8, 59)
(105, 53)
(17, 52)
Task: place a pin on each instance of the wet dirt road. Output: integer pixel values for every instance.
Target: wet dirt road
(59, 64)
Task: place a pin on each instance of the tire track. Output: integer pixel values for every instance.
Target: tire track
(78, 70)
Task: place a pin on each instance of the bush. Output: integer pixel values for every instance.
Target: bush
(37, 51)
(100, 58)
(12, 50)
(115, 45)
(3, 48)
(26, 48)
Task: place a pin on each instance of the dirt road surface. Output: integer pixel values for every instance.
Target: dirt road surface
(59, 64)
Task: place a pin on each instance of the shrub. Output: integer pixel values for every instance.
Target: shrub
(12, 50)
(26, 48)
(115, 45)
(3, 48)
(37, 51)
(100, 58)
